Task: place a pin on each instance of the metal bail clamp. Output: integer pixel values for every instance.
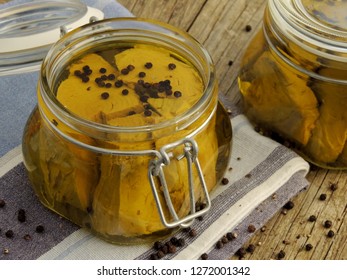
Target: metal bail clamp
(190, 152)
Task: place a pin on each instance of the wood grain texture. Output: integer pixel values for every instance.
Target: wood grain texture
(217, 24)
(220, 26)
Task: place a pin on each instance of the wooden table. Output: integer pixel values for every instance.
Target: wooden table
(220, 25)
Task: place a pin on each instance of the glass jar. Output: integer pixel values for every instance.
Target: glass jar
(293, 78)
(134, 180)
(28, 30)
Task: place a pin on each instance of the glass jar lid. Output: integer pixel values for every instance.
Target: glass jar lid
(27, 31)
(320, 27)
(329, 14)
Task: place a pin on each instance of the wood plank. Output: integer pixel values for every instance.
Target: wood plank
(208, 22)
(219, 26)
(179, 13)
(221, 29)
(292, 232)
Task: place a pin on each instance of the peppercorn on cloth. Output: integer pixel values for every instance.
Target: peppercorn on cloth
(262, 176)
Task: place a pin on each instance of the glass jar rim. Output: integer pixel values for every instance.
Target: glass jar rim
(125, 27)
(294, 19)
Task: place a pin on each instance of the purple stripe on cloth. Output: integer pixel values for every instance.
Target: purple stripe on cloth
(260, 216)
(16, 191)
(229, 197)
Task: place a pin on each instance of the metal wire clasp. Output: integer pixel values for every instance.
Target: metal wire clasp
(190, 152)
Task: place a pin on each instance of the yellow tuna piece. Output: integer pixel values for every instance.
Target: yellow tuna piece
(330, 135)
(84, 99)
(280, 100)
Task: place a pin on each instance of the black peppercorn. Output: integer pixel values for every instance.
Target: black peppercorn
(148, 65)
(9, 233)
(118, 83)
(331, 233)
(328, 224)
(204, 256)
(187, 229)
(174, 240)
(130, 67)
(308, 247)
(192, 232)
(160, 254)
(172, 66)
(105, 95)
(172, 249)
(177, 94)
(251, 228)
(125, 92)
(225, 181)
(40, 229)
(124, 71)
(323, 197)
(78, 73)
(281, 254)
(84, 79)
(250, 248)
(181, 242)
(142, 74)
(333, 186)
(248, 28)
(87, 71)
(2, 203)
(165, 249)
(154, 257)
(158, 245)
(231, 235)
(111, 77)
(86, 68)
(144, 98)
(224, 240)
(21, 215)
(219, 244)
(312, 218)
(289, 205)
(101, 83)
(102, 70)
(241, 252)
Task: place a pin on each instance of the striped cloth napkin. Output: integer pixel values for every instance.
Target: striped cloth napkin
(262, 176)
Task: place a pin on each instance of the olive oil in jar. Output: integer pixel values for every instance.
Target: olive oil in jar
(293, 78)
(114, 107)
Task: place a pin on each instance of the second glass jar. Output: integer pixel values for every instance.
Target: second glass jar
(293, 78)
